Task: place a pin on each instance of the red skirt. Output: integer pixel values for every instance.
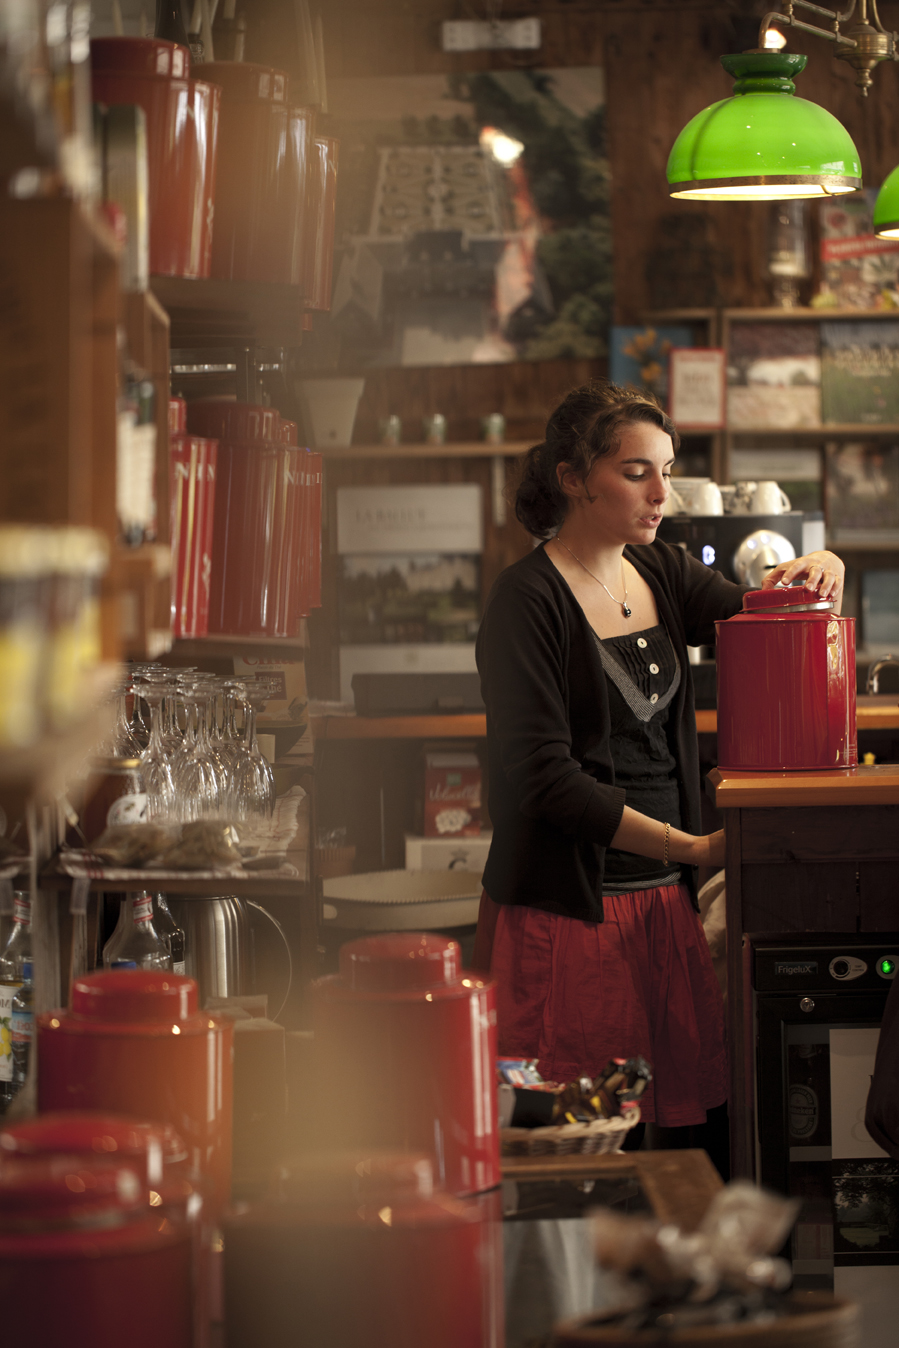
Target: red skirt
(574, 994)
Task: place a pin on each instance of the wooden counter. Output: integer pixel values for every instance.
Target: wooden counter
(805, 852)
(874, 713)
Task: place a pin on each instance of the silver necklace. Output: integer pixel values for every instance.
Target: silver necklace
(623, 602)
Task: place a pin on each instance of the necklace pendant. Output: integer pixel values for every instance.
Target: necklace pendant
(626, 611)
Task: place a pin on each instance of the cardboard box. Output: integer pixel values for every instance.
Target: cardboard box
(452, 795)
(447, 854)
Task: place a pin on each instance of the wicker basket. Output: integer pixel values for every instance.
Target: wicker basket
(818, 1320)
(566, 1139)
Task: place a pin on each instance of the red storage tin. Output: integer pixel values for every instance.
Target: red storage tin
(182, 132)
(85, 1262)
(363, 1254)
(301, 132)
(786, 685)
(224, 419)
(257, 193)
(321, 198)
(416, 1042)
(135, 1043)
(193, 464)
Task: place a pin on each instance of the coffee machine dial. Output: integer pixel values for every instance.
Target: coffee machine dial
(758, 554)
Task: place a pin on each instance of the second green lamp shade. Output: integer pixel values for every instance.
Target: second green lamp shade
(886, 208)
(763, 143)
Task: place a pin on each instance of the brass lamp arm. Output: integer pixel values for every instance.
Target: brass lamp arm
(835, 36)
(868, 44)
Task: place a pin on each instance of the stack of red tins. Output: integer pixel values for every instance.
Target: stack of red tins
(182, 132)
(267, 528)
(192, 469)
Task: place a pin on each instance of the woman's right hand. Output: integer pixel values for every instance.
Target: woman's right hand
(710, 850)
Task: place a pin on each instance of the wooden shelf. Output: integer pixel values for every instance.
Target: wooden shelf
(227, 313)
(222, 645)
(474, 449)
(852, 430)
(468, 725)
(806, 313)
(247, 886)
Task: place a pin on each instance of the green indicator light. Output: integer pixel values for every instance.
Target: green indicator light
(886, 966)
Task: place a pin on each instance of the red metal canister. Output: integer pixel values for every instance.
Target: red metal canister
(135, 1043)
(302, 130)
(417, 1040)
(182, 132)
(786, 685)
(321, 199)
(362, 1252)
(256, 196)
(84, 1261)
(192, 462)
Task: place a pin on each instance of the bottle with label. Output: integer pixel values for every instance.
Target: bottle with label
(18, 947)
(135, 937)
(16, 953)
(22, 1028)
(170, 932)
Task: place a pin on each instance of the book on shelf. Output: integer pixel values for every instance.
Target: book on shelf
(860, 373)
(863, 493)
(774, 376)
(858, 270)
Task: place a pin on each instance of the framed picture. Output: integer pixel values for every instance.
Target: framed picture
(697, 388)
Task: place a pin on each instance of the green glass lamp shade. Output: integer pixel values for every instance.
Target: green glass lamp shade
(886, 208)
(763, 143)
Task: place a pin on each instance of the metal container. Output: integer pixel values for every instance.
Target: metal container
(192, 464)
(363, 1253)
(182, 134)
(216, 944)
(786, 685)
(416, 1042)
(134, 1042)
(86, 1262)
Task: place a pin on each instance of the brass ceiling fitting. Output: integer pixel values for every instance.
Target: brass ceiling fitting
(863, 45)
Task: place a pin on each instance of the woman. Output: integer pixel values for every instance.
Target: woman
(590, 927)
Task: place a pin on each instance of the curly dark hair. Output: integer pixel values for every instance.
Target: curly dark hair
(584, 427)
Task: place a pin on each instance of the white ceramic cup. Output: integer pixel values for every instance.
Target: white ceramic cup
(707, 500)
(768, 499)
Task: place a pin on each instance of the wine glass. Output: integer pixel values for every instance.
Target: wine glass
(199, 784)
(123, 743)
(156, 765)
(253, 790)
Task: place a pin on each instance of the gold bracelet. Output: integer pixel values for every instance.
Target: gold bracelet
(667, 841)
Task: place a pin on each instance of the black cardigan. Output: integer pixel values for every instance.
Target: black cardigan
(553, 800)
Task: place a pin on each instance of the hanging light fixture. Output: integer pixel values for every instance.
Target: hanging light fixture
(763, 143)
(886, 208)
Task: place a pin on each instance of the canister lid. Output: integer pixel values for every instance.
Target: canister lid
(224, 419)
(141, 56)
(62, 1190)
(399, 961)
(244, 81)
(785, 599)
(134, 995)
(288, 432)
(90, 1133)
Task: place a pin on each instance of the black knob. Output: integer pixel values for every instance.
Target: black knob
(840, 968)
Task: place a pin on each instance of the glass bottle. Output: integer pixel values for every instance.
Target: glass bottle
(18, 948)
(135, 936)
(170, 932)
(170, 22)
(22, 1028)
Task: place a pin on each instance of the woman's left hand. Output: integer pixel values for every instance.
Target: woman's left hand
(821, 571)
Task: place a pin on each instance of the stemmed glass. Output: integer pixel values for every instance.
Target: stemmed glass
(156, 764)
(253, 790)
(123, 743)
(199, 784)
